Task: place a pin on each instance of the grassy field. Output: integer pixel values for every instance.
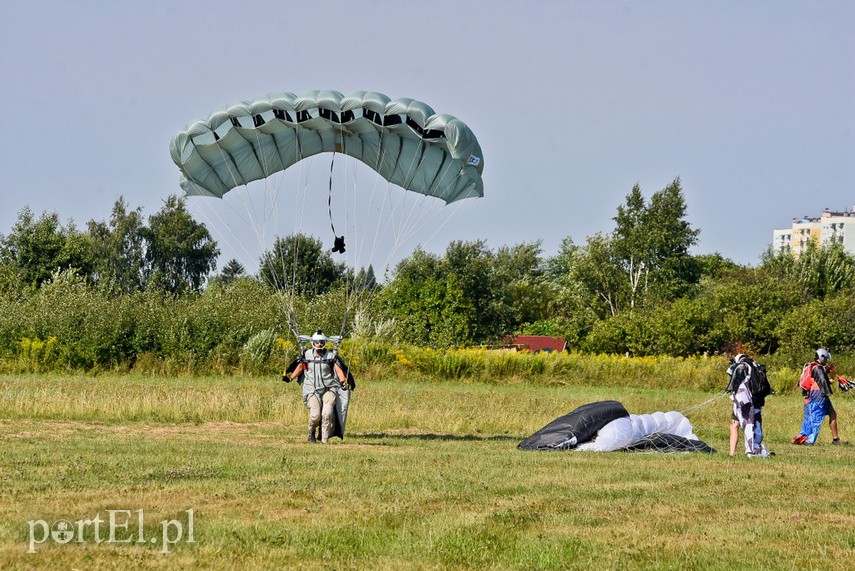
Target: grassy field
(428, 478)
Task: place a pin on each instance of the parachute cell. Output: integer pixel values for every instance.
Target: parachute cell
(403, 140)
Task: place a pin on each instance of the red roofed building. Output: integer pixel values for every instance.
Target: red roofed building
(537, 343)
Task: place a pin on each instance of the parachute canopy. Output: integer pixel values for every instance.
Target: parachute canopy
(403, 140)
(606, 426)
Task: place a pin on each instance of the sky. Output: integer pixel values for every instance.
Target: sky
(750, 104)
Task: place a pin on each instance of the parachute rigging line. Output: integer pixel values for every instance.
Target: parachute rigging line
(338, 243)
(693, 408)
(228, 160)
(403, 220)
(255, 139)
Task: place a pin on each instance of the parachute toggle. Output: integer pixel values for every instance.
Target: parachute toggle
(338, 244)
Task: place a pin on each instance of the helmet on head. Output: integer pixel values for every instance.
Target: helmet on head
(739, 358)
(823, 356)
(319, 337)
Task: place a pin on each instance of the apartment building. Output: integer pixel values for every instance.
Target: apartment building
(828, 228)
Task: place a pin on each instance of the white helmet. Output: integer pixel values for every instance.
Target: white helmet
(739, 358)
(319, 337)
(823, 356)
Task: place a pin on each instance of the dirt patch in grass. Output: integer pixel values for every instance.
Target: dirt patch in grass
(256, 433)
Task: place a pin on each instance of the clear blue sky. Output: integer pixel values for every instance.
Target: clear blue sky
(751, 104)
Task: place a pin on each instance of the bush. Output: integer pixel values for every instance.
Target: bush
(243, 328)
(826, 323)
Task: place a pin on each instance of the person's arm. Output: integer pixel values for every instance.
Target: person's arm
(299, 370)
(821, 377)
(339, 373)
(737, 377)
(845, 384)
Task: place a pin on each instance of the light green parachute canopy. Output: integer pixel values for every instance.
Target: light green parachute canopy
(403, 140)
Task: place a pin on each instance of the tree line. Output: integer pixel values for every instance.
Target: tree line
(637, 289)
(173, 252)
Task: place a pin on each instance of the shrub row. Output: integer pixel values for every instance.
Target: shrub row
(242, 329)
(732, 316)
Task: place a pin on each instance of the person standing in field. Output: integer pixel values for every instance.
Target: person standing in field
(323, 378)
(816, 390)
(748, 388)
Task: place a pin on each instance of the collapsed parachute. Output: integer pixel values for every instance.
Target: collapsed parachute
(403, 140)
(606, 426)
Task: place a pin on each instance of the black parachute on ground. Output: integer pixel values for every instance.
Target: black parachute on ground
(574, 428)
(606, 425)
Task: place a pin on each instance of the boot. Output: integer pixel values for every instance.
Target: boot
(312, 437)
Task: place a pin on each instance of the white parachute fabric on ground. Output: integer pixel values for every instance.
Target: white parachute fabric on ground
(625, 432)
(605, 426)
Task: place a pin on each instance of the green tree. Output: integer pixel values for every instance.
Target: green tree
(573, 302)
(523, 290)
(820, 323)
(714, 265)
(38, 248)
(559, 266)
(651, 243)
(596, 268)
(820, 270)
(631, 242)
(647, 253)
(470, 294)
(299, 264)
(232, 271)
(118, 247)
(428, 305)
(674, 271)
(470, 266)
(179, 252)
(365, 279)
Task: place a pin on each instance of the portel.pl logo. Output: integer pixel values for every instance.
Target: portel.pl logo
(118, 527)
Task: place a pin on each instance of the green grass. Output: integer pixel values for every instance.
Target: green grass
(428, 478)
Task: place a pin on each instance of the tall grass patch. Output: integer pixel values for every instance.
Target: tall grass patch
(482, 365)
(428, 477)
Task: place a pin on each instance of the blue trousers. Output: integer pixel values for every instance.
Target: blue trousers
(816, 409)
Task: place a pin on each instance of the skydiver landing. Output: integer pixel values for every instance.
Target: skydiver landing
(326, 387)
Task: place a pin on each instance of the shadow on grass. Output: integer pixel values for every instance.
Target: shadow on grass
(432, 436)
